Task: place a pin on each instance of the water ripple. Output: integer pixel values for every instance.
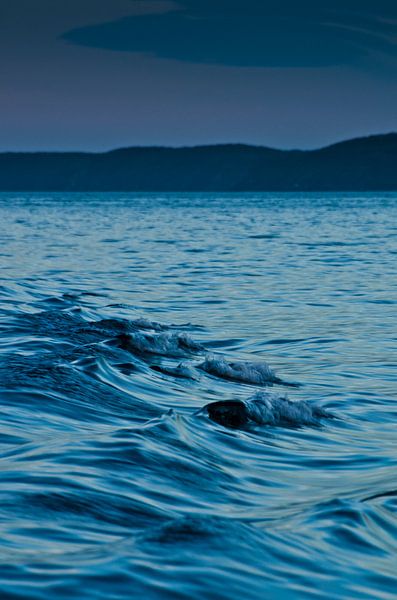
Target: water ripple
(121, 319)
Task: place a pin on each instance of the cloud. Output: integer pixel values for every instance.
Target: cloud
(253, 33)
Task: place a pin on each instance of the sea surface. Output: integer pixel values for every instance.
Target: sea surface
(114, 483)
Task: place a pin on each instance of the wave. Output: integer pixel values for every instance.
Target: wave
(266, 408)
(63, 387)
(164, 344)
(91, 354)
(256, 373)
(183, 370)
(127, 325)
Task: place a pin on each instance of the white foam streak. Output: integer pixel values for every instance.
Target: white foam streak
(257, 373)
(164, 344)
(267, 408)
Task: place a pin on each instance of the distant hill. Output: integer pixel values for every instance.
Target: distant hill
(362, 164)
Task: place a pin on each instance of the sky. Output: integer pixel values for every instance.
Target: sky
(98, 74)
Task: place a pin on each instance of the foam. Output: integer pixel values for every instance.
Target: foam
(267, 408)
(164, 344)
(256, 373)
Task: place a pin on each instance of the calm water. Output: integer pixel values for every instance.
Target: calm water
(111, 486)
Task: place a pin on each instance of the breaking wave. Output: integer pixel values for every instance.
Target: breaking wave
(164, 344)
(255, 373)
(266, 408)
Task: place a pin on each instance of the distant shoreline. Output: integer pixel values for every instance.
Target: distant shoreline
(358, 165)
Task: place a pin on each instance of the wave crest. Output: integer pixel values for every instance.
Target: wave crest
(266, 408)
(256, 373)
(164, 344)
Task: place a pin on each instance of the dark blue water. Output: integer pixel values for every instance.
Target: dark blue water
(111, 485)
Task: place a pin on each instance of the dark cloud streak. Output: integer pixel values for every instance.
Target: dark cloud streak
(254, 33)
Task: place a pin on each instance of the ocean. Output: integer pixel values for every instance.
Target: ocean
(115, 482)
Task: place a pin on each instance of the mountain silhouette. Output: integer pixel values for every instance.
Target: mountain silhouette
(362, 164)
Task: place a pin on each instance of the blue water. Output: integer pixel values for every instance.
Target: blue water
(113, 483)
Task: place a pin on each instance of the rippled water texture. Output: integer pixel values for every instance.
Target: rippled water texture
(113, 483)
